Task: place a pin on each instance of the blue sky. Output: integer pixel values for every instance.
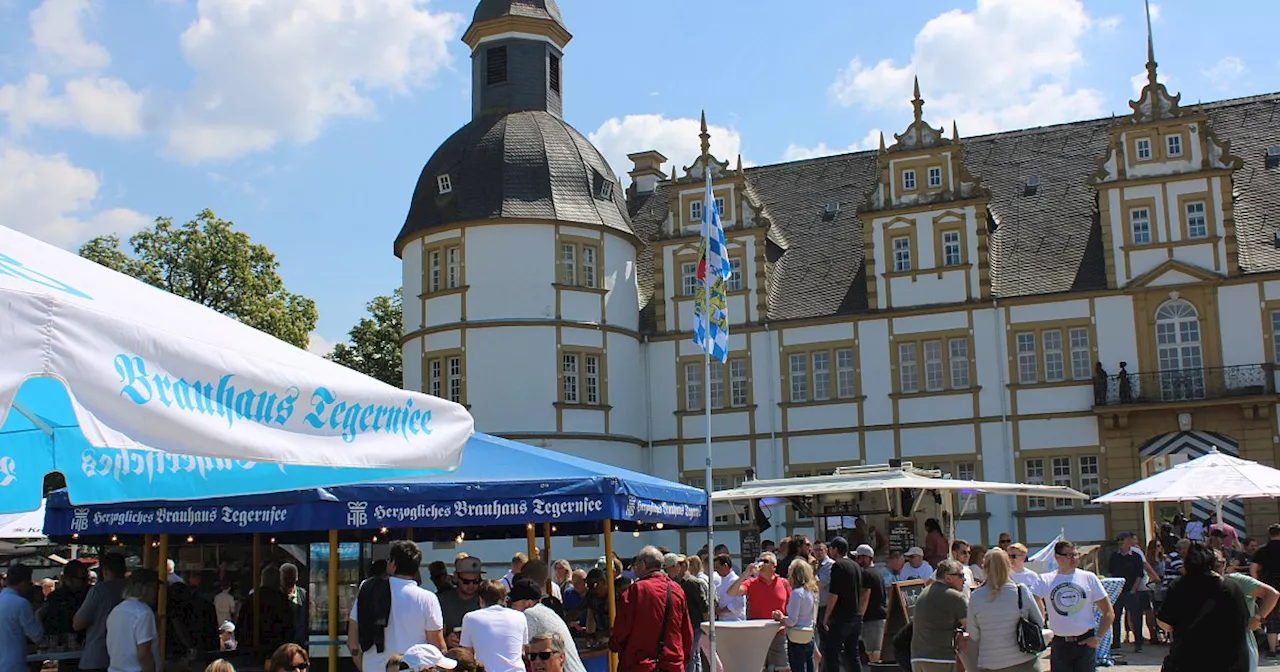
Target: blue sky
(307, 121)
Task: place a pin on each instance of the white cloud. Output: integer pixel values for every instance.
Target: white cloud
(1225, 72)
(795, 152)
(677, 139)
(53, 199)
(1155, 12)
(267, 72)
(1006, 64)
(97, 105)
(59, 36)
(319, 345)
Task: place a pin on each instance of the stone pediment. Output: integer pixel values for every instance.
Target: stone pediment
(1173, 273)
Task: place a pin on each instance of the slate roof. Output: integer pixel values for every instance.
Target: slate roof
(1045, 243)
(534, 9)
(528, 164)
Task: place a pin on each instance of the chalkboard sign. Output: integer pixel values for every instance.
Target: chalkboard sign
(902, 534)
(749, 543)
(902, 608)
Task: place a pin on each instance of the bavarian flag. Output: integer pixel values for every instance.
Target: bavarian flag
(711, 310)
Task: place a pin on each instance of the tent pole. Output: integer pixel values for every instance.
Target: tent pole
(162, 600)
(612, 581)
(531, 540)
(333, 601)
(257, 594)
(546, 546)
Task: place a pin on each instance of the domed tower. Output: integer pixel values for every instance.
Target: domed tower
(519, 260)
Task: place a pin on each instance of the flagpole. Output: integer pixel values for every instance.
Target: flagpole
(706, 377)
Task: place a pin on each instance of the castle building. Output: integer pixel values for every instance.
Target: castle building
(1080, 304)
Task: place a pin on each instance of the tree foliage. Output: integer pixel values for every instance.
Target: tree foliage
(374, 348)
(209, 262)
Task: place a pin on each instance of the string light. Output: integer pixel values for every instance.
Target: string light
(636, 533)
(382, 530)
(75, 535)
(528, 526)
(114, 538)
(659, 526)
(553, 528)
(154, 544)
(375, 538)
(273, 541)
(190, 539)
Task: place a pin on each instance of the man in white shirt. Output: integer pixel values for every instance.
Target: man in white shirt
(414, 614)
(1071, 595)
(224, 604)
(517, 566)
(960, 552)
(727, 608)
(916, 567)
(495, 634)
(1019, 573)
(131, 627)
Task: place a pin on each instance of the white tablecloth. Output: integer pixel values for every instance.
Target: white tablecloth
(740, 645)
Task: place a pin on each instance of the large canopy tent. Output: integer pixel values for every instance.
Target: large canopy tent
(101, 372)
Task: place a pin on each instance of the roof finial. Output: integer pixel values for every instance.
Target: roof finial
(1151, 48)
(918, 102)
(739, 163)
(955, 131)
(882, 149)
(706, 137)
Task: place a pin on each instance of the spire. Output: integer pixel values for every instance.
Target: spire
(917, 102)
(882, 149)
(706, 137)
(1151, 49)
(955, 131)
(739, 163)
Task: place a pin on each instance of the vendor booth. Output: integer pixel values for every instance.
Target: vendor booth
(502, 489)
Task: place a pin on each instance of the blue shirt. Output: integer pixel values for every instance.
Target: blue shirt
(17, 625)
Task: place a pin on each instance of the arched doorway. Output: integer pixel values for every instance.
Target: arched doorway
(1168, 450)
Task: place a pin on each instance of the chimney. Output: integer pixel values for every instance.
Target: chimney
(647, 171)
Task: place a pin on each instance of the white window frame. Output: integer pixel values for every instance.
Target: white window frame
(734, 284)
(693, 394)
(717, 385)
(1033, 468)
(720, 206)
(798, 377)
(934, 175)
(933, 366)
(1054, 361)
(444, 183)
(1064, 476)
(821, 363)
(846, 374)
(1140, 226)
(909, 180)
(454, 377)
(951, 254)
(568, 264)
(1081, 353)
(689, 278)
(1173, 145)
(739, 383)
(958, 351)
(908, 369)
(591, 379)
(695, 211)
(1197, 221)
(1028, 366)
(452, 267)
(1090, 476)
(901, 253)
(570, 377)
(435, 377)
(435, 270)
(1142, 149)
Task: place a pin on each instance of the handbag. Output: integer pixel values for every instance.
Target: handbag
(1029, 635)
(801, 635)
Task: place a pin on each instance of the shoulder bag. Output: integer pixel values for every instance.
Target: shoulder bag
(662, 630)
(1030, 636)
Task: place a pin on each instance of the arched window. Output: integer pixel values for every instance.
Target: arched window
(1178, 351)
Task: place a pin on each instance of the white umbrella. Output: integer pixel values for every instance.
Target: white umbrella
(112, 370)
(1215, 477)
(22, 526)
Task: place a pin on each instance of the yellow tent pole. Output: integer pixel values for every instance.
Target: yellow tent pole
(257, 597)
(531, 537)
(546, 556)
(612, 581)
(162, 600)
(333, 601)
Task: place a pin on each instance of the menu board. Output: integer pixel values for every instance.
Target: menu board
(749, 543)
(902, 534)
(902, 608)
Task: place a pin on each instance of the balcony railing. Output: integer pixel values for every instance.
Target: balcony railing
(1156, 387)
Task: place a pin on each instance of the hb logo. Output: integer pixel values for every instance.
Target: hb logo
(357, 516)
(80, 520)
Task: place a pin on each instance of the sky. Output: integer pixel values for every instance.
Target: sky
(307, 122)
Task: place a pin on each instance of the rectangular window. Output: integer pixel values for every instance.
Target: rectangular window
(693, 387)
(717, 385)
(434, 271)
(1140, 225)
(455, 379)
(435, 377)
(1034, 470)
(821, 376)
(739, 393)
(1090, 478)
(453, 267)
(444, 268)
(588, 266)
(689, 278)
(569, 377)
(1275, 336)
(908, 373)
(553, 72)
(846, 386)
(935, 177)
(901, 254)
(568, 264)
(951, 248)
(444, 183)
(799, 376)
(1062, 477)
(695, 211)
(909, 180)
(1026, 348)
(1081, 356)
(496, 65)
(1197, 225)
(735, 276)
(720, 206)
(967, 471)
(1053, 360)
(591, 378)
(959, 351)
(1173, 145)
(1143, 146)
(933, 365)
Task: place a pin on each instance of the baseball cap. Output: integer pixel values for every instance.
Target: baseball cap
(915, 550)
(468, 565)
(840, 544)
(865, 550)
(422, 657)
(672, 559)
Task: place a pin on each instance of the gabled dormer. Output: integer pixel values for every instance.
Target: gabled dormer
(924, 223)
(1164, 188)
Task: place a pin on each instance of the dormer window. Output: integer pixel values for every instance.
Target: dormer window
(1140, 225)
(720, 206)
(695, 211)
(495, 65)
(1143, 149)
(909, 180)
(444, 183)
(602, 186)
(935, 177)
(1173, 146)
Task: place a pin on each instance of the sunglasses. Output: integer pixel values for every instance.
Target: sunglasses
(539, 655)
(1015, 556)
(470, 582)
(1069, 555)
(301, 667)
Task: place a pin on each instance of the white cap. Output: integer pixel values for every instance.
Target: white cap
(422, 657)
(865, 550)
(227, 626)
(914, 550)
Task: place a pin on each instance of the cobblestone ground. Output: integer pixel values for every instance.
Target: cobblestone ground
(1151, 657)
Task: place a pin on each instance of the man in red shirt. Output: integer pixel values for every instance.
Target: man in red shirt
(651, 630)
(766, 592)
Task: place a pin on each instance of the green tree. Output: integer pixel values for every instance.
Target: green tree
(374, 349)
(209, 262)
